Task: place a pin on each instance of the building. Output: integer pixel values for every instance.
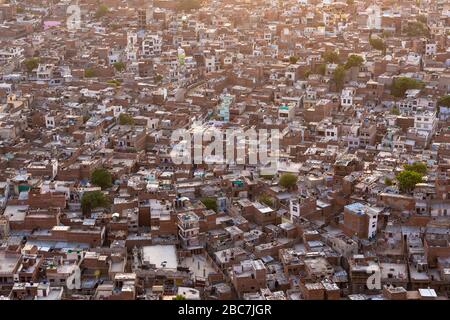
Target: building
(360, 220)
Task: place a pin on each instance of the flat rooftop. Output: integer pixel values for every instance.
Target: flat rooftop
(16, 213)
(8, 262)
(162, 256)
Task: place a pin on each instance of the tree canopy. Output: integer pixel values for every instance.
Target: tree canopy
(93, 199)
(395, 111)
(266, 199)
(119, 66)
(306, 74)
(288, 180)
(210, 203)
(444, 101)
(354, 61)
(377, 43)
(126, 119)
(158, 78)
(330, 56)
(102, 178)
(416, 29)
(402, 84)
(320, 68)
(407, 180)
(102, 10)
(114, 82)
(293, 59)
(388, 182)
(417, 166)
(31, 64)
(89, 73)
(339, 76)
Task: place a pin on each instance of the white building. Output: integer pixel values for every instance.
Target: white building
(49, 122)
(210, 63)
(347, 97)
(7, 87)
(132, 54)
(352, 137)
(287, 111)
(426, 121)
(374, 17)
(151, 46)
(11, 53)
(44, 71)
(430, 49)
(114, 56)
(331, 132)
(189, 231)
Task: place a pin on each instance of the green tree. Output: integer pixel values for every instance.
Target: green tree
(158, 78)
(354, 61)
(125, 119)
(288, 180)
(102, 10)
(330, 56)
(388, 182)
(266, 199)
(377, 44)
(395, 111)
(89, 73)
(407, 180)
(444, 101)
(101, 178)
(339, 76)
(386, 34)
(416, 29)
(31, 64)
(293, 59)
(119, 66)
(417, 166)
(307, 74)
(114, 82)
(210, 203)
(93, 199)
(402, 84)
(179, 297)
(321, 68)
